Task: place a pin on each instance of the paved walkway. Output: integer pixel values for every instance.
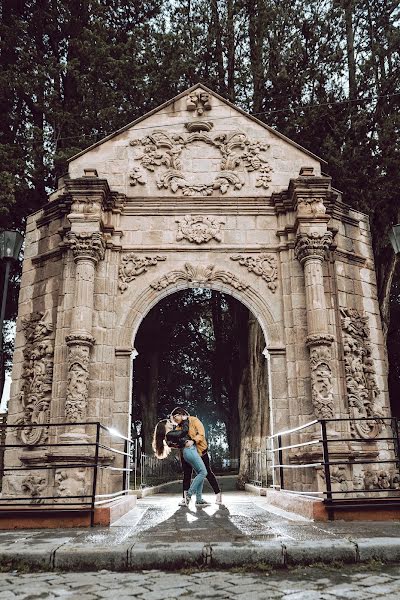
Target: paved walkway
(246, 531)
(299, 584)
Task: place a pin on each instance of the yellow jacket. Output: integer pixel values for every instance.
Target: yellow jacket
(198, 434)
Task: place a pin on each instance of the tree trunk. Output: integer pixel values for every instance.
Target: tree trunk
(351, 61)
(255, 12)
(230, 49)
(219, 56)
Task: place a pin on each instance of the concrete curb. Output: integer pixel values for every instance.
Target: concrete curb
(72, 555)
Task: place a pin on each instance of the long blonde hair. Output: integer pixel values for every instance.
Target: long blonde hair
(161, 450)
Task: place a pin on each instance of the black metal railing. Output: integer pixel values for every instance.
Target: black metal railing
(323, 450)
(91, 453)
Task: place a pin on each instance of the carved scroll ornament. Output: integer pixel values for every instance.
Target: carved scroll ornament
(133, 265)
(310, 206)
(163, 150)
(263, 265)
(37, 378)
(362, 390)
(199, 274)
(199, 229)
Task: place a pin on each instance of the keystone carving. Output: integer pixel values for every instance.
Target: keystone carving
(199, 274)
(199, 229)
(162, 149)
(321, 381)
(362, 389)
(86, 245)
(37, 378)
(133, 265)
(263, 265)
(198, 102)
(77, 384)
(312, 245)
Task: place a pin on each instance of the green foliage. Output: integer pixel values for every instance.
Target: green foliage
(325, 73)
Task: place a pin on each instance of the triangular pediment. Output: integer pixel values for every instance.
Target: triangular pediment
(196, 144)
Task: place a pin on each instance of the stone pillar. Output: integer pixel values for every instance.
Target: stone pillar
(88, 249)
(310, 250)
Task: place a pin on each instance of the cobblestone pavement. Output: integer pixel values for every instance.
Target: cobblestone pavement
(310, 583)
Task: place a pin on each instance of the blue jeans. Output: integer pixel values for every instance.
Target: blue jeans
(194, 459)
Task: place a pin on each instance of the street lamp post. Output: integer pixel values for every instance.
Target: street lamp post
(394, 236)
(10, 246)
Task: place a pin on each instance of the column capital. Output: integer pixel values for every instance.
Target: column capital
(312, 245)
(86, 245)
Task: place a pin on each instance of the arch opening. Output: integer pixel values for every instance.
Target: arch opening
(203, 349)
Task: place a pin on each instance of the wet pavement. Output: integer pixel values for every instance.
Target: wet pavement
(315, 583)
(243, 532)
(242, 517)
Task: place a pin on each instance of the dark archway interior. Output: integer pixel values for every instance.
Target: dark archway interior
(202, 349)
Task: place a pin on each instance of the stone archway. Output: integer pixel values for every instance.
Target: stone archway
(183, 198)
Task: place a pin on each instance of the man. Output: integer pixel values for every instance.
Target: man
(180, 416)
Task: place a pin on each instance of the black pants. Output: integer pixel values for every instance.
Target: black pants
(187, 474)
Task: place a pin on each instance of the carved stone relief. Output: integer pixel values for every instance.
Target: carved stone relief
(77, 384)
(37, 377)
(162, 149)
(199, 274)
(34, 486)
(198, 102)
(310, 207)
(263, 265)
(362, 390)
(321, 381)
(71, 482)
(133, 265)
(199, 229)
(86, 245)
(312, 244)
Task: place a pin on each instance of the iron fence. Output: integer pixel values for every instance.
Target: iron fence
(92, 453)
(378, 485)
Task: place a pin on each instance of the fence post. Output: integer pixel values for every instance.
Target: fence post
(327, 470)
(397, 442)
(125, 478)
(280, 459)
(96, 462)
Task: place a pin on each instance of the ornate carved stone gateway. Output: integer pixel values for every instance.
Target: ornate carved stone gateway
(195, 194)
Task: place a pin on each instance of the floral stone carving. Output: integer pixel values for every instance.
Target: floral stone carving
(133, 265)
(362, 390)
(310, 207)
(263, 265)
(37, 378)
(199, 229)
(86, 245)
(34, 486)
(199, 274)
(77, 384)
(321, 380)
(161, 150)
(313, 244)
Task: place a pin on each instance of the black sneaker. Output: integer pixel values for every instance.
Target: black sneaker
(202, 503)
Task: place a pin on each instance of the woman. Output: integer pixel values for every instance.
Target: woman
(180, 417)
(165, 438)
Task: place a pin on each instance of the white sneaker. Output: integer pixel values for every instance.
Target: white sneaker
(201, 503)
(218, 498)
(183, 501)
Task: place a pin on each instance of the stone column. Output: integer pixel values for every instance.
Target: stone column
(310, 249)
(88, 249)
